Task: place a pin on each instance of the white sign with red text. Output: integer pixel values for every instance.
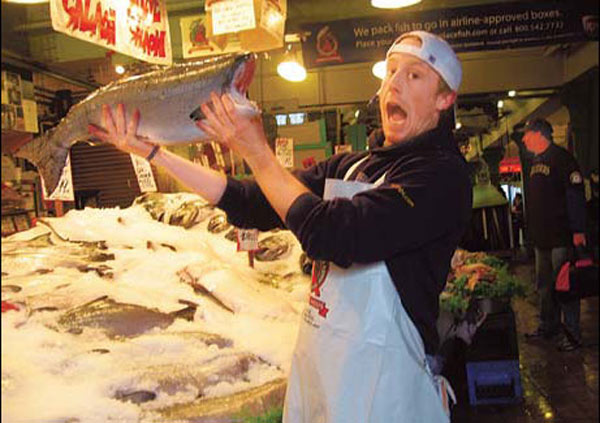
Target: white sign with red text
(138, 28)
(284, 151)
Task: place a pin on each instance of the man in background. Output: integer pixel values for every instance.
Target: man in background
(556, 218)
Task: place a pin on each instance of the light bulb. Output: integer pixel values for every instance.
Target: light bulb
(512, 93)
(119, 69)
(458, 125)
(292, 71)
(393, 4)
(500, 104)
(378, 69)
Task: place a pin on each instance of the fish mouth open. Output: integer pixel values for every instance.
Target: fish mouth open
(244, 74)
(237, 85)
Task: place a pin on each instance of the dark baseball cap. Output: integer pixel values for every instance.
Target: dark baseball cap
(540, 125)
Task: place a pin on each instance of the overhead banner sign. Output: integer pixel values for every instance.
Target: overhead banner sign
(137, 28)
(195, 42)
(482, 27)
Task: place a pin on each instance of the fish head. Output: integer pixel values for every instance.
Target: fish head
(237, 80)
(244, 67)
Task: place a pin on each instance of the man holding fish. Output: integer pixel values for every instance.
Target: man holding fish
(381, 225)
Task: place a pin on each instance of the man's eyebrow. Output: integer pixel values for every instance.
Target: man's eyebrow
(412, 63)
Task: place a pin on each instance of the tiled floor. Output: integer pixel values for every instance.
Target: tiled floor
(558, 387)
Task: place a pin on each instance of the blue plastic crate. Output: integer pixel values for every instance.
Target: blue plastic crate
(494, 382)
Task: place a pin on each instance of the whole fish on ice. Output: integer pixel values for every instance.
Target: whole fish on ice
(119, 319)
(177, 378)
(169, 102)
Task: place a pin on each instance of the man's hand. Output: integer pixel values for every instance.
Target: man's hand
(244, 135)
(118, 132)
(579, 239)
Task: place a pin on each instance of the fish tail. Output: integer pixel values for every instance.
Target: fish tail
(48, 153)
(186, 313)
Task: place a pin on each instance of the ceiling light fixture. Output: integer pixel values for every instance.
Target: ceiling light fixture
(378, 69)
(512, 93)
(393, 4)
(291, 68)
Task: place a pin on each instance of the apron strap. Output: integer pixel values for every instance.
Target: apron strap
(445, 392)
(353, 168)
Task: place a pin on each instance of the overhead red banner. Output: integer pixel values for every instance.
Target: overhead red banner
(137, 28)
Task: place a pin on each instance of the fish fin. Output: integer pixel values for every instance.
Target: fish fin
(49, 155)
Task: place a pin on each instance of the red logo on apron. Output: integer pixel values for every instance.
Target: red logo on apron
(319, 274)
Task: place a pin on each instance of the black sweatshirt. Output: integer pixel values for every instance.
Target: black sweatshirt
(555, 200)
(413, 221)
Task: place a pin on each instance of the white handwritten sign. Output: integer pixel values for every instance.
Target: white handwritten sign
(284, 151)
(143, 173)
(247, 239)
(64, 190)
(232, 16)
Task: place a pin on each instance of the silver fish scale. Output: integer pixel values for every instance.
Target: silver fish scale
(166, 98)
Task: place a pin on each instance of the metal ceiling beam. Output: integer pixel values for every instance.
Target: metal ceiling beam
(14, 59)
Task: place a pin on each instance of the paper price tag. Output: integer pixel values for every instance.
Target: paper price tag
(284, 151)
(143, 173)
(64, 189)
(247, 239)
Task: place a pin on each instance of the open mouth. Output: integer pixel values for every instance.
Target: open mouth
(396, 114)
(244, 75)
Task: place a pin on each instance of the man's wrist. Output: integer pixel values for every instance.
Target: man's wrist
(260, 160)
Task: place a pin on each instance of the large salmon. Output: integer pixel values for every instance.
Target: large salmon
(168, 100)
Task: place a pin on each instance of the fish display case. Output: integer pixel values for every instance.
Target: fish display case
(147, 313)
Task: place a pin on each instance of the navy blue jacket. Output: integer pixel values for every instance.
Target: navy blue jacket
(555, 199)
(413, 221)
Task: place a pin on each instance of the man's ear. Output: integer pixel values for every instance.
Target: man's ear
(445, 100)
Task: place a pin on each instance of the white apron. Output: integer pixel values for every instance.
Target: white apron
(359, 358)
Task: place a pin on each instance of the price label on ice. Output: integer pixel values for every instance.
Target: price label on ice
(247, 239)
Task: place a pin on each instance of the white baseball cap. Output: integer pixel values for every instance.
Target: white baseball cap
(434, 51)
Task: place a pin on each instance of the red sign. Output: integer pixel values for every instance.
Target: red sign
(138, 28)
(510, 165)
